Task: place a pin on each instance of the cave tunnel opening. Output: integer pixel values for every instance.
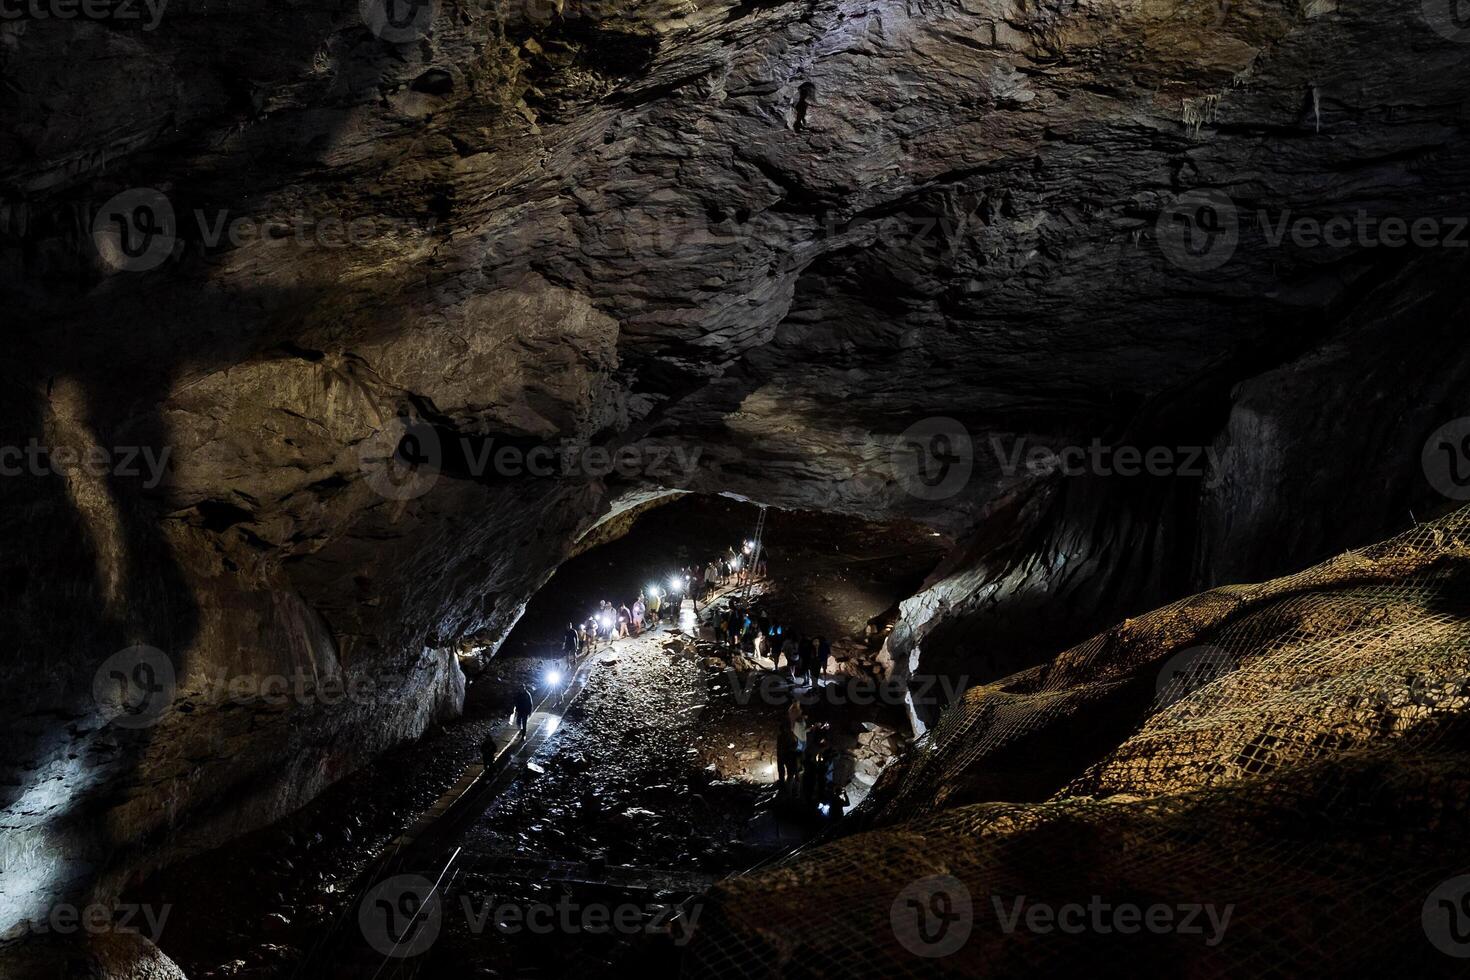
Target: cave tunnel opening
(1101, 367)
(651, 764)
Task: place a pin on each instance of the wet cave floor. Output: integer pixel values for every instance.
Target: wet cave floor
(651, 780)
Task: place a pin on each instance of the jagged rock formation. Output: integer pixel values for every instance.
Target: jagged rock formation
(107, 955)
(768, 236)
(1291, 755)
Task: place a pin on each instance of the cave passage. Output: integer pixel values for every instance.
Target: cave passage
(1081, 388)
(647, 772)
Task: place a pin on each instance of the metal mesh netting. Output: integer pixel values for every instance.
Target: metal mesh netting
(1290, 758)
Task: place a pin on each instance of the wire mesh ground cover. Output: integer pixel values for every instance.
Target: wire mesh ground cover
(1294, 751)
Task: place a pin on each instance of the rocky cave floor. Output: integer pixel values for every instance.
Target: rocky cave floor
(662, 768)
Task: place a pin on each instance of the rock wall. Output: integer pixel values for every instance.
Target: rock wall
(301, 274)
(1286, 759)
(1320, 454)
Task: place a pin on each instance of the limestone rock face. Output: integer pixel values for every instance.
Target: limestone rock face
(374, 311)
(1280, 757)
(112, 955)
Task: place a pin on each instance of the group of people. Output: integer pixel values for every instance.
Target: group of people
(749, 629)
(697, 581)
(610, 622)
(731, 568)
(809, 765)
